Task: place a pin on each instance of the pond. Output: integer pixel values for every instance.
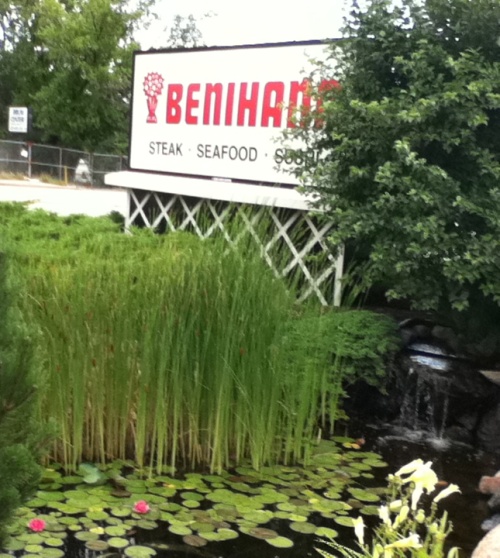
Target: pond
(277, 513)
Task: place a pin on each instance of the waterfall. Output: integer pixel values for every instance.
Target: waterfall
(425, 401)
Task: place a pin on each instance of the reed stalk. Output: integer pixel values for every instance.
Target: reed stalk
(168, 350)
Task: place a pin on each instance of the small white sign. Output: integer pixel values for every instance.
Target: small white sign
(18, 120)
(221, 112)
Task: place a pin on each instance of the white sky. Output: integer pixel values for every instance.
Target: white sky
(251, 21)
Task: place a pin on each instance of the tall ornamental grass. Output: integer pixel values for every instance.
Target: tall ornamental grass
(165, 349)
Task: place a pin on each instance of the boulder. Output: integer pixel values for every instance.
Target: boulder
(489, 545)
(489, 485)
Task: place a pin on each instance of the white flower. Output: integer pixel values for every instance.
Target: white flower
(409, 467)
(446, 492)
(415, 495)
(420, 517)
(383, 513)
(412, 541)
(396, 505)
(359, 529)
(423, 475)
(402, 515)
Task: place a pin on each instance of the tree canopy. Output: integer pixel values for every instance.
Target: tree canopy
(409, 149)
(71, 61)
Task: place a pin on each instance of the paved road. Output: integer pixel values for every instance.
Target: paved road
(65, 200)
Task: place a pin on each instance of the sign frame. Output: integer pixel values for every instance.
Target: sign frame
(158, 86)
(23, 125)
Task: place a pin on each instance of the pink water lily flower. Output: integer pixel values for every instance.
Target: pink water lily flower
(37, 525)
(141, 507)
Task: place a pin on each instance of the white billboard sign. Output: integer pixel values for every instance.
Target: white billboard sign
(18, 120)
(219, 112)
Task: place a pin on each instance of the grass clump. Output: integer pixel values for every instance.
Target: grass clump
(171, 350)
(164, 349)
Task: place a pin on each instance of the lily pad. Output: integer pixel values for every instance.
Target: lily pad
(97, 546)
(52, 541)
(97, 515)
(369, 510)
(211, 536)
(192, 496)
(138, 551)
(262, 533)
(180, 530)
(51, 496)
(121, 512)
(86, 536)
(227, 534)
(303, 527)
(280, 542)
(33, 548)
(14, 545)
(375, 462)
(363, 495)
(202, 527)
(52, 553)
(32, 538)
(326, 532)
(191, 504)
(118, 542)
(194, 540)
(115, 530)
(344, 520)
(147, 524)
(258, 516)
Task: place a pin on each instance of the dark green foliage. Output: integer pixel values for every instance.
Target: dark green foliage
(363, 342)
(20, 438)
(410, 146)
(72, 63)
(349, 345)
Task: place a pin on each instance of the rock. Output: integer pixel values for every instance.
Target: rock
(491, 522)
(460, 434)
(494, 505)
(489, 485)
(489, 545)
(488, 431)
(448, 337)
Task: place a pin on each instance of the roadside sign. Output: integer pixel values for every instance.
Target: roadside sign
(18, 120)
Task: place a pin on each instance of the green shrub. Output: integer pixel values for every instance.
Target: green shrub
(20, 436)
(166, 349)
(346, 346)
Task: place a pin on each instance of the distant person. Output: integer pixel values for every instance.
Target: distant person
(82, 172)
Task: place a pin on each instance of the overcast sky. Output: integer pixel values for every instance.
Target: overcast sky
(250, 22)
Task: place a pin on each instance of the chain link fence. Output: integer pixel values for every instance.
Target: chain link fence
(57, 163)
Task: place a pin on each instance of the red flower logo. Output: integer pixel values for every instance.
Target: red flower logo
(152, 87)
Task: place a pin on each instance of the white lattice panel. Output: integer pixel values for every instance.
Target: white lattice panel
(293, 244)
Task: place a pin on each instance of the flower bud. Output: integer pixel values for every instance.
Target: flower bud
(396, 505)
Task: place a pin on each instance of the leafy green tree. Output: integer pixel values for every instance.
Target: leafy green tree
(23, 64)
(184, 33)
(89, 46)
(409, 148)
(21, 439)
